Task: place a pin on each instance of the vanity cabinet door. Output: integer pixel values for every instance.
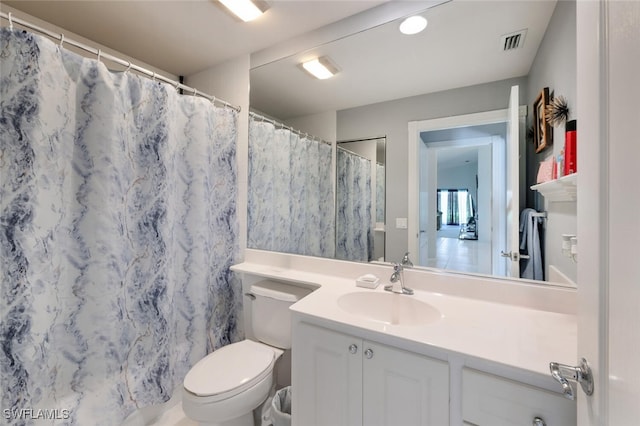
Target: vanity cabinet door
(326, 377)
(488, 400)
(403, 388)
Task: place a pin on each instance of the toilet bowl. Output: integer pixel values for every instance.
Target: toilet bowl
(226, 386)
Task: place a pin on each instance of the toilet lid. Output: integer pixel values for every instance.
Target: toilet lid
(234, 367)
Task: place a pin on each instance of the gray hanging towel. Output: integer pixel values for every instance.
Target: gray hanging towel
(531, 268)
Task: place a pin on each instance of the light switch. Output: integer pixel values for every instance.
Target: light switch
(401, 223)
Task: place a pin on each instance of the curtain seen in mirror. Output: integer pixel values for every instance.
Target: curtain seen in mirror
(354, 224)
(456, 206)
(380, 194)
(118, 229)
(290, 200)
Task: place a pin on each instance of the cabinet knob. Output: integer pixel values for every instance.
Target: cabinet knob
(353, 348)
(537, 421)
(368, 353)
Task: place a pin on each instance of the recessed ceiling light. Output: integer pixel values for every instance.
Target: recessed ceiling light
(413, 25)
(247, 10)
(321, 68)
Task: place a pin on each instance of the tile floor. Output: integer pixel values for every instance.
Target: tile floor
(174, 417)
(455, 254)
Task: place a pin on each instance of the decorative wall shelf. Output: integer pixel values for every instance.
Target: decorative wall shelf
(562, 189)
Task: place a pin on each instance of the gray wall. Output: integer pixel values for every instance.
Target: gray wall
(555, 67)
(391, 119)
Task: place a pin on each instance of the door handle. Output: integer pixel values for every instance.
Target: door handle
(514, 256)
(511, 255)
(580, 374)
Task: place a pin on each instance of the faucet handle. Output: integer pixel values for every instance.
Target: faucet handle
(406, 261)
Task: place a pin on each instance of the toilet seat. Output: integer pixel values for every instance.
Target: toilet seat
(230, 370)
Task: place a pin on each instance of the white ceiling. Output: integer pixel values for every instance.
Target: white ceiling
(454, 157)
(465, 151)
(184, 37)
(460, 47)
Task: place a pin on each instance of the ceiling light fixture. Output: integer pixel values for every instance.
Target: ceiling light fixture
(321, 68)
(413, 25)
(247, 10)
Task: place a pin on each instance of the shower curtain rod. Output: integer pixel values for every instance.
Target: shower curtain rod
(284, 126)
(115, 59)
(353, 153)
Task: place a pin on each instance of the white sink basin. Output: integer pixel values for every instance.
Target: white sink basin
(389, 308)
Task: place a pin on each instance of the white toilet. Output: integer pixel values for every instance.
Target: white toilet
(226, 386)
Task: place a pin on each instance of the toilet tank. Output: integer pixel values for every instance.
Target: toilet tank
(270, 314)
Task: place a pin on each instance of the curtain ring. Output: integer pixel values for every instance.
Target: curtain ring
(99, 54)
(61, 39)
(128, 67)
(10, 22)
(177, 87)
(153, 77)
(213, 100)
(195, 92)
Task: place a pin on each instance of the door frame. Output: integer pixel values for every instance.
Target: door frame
(497, 182)
(419, 126)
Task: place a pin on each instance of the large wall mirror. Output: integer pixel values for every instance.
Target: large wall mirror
(465, 62)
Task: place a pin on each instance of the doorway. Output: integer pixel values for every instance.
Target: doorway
(505, 180)
(468, 188)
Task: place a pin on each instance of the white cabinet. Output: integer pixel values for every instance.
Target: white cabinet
(340, 379)
(403, 388)
(326, 378)
(488, 400)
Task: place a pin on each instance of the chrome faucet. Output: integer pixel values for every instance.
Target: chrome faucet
(406, 261)
(397, 284)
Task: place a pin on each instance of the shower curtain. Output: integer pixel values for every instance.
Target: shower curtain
(118, 227)
(380, 192)
(290, 200)
(354, 227)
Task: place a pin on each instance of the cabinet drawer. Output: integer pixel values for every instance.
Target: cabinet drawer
(489, 400)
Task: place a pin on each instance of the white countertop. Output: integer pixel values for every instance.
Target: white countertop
(510, 335)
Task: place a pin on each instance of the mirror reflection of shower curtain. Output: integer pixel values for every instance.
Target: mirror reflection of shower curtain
(290, 200)
(354, 227)
(456, 206)
(380, 195)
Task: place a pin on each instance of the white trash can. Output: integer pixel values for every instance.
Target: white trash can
(281, 407)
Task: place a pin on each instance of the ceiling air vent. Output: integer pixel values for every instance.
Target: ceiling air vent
(513, 41)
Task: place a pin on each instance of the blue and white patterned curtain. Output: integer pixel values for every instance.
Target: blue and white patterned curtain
(118, 228)
(380, 192)
(354, 227)
(290, 202)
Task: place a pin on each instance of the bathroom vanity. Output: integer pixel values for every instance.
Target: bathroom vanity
(461, 350)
